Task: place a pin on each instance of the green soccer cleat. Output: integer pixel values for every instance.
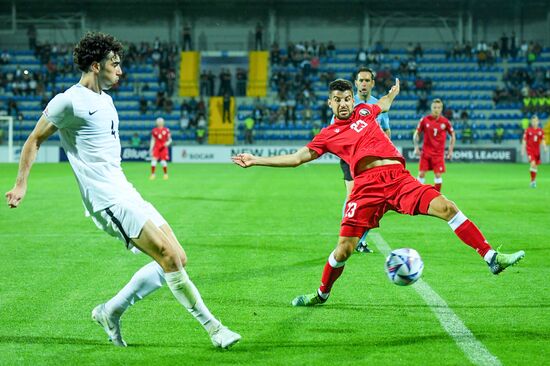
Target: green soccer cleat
(501, 261)
(308, 300)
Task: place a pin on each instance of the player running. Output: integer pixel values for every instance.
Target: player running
(435, 128)
(381, 184)
(160, 140)
(532, 139)
(88, 122)
(364, 82)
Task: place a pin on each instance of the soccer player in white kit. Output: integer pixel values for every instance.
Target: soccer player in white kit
(87, 121)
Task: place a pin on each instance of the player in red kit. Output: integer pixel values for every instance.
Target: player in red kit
(381, 183)
(532, 139)
(160, 140)
(435, 128)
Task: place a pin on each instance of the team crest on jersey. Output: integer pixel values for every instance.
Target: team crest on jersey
(337, 130)
(364, 112)
(442, 126)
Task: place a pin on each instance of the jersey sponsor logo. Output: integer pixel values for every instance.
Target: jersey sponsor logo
(91, 113)
(364, 112)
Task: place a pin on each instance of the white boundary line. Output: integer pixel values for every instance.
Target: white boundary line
(476, 352)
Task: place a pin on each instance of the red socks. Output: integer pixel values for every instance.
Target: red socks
(331, 272)
(437, 186)
(533, 175)
(153, 169)
(164, 169)
(468, 232)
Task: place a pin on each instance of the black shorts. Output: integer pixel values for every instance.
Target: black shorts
(346, 170)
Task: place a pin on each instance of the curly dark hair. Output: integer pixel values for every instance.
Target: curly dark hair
(340, 85)
(95, 46)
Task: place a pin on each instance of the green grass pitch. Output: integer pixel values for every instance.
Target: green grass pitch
(255, 239)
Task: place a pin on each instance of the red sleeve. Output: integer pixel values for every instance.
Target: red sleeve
(420, 127)
(318, 144)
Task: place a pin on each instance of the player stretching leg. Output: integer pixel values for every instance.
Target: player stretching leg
(435, 128)
(160, 140)
(381, 183)
(88, 124)
(364, 82)
(532, 139)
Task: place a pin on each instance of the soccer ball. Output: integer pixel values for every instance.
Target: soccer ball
(404, 266)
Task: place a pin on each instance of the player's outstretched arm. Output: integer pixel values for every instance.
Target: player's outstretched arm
(385, 102)
(291, 160)
(41, 132)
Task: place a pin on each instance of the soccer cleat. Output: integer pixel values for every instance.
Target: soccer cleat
(111, 325)
(308, 300)
(501, 261)
(152, 177)
(533, 184)
(165, 177)
(362, 247)
(223, 337)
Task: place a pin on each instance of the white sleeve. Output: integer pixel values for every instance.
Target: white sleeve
(59, 111)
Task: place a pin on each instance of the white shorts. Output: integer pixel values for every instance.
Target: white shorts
(125, 220)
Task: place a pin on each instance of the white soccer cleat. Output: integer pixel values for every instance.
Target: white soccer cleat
(223, 337)
(111, 325)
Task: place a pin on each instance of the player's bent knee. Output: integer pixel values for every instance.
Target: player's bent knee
(345, 248)
(443, 208)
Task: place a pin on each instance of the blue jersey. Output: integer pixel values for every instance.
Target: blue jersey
(383, 119)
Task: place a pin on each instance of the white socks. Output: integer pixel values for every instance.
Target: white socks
(146, 280)
(163, 163)
(187, 294)
(457, 220)
(438, 180)
(421, 180)
(150, 278)
(488, 256)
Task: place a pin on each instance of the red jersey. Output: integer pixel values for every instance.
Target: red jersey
(533, 138)
(161, 136)
(355, 138)
(435, 133)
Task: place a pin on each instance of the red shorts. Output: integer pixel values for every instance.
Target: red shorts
(377, 190)
(534, 155)
(161, 153)
(432, 162)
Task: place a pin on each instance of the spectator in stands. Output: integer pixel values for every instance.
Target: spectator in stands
(331, 49)
(249, 130)
(135, 142)
(411, 67)
(32, 34)
(422, 104)
(159, 101)
(504, 47)
(495, 51)
(241, 82)
(323, 52)
(5, 57)
(307, 115)
(467, 133)
(258, 112)
(498, 134)
(258, 37)
(275, 54)
(201, 129)
(211, 82)
(418, 52)
(13, 108)
(203, 84)
(457, 51)
(184, 120)
(361, 57)
(410, 50)
(468, 51)
(226, 108)
(186, 35)
(481, 58)
(168, 106)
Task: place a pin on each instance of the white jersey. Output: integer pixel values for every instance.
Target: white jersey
(88, 125)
